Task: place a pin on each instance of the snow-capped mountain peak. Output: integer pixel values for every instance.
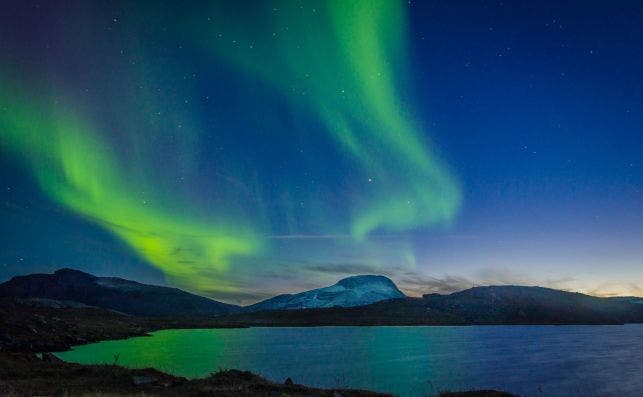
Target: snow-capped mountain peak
(350, 291)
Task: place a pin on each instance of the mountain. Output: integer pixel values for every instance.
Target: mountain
(478, 305)
(113, 293)
(144, 300)
(348, 292)
(358, 300)
(519, 304)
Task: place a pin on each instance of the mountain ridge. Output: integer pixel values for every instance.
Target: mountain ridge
(487, 305)
(139, 299)
(126, 296)
(502, 304)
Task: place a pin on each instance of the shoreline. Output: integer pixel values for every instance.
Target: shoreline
(25, 374)
(29, 329)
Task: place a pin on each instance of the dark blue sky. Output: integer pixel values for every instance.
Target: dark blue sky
(538, 107)
(532, 109)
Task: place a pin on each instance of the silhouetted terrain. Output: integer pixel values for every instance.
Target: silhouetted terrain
(125, 296)
(172, 307)
(43, 325)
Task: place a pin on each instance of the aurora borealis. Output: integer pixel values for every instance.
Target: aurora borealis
(240, 150)
(315, 54)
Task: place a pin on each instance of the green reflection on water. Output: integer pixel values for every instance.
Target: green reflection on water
(169, 351)
(389, 359)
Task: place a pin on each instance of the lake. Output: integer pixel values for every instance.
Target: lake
(408, 361)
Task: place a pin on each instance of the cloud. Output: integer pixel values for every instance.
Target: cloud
(616, 289)
(415, 283)
(242, 297)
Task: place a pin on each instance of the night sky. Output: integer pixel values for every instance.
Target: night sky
(244, 150)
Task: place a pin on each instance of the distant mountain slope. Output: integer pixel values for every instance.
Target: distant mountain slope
(519, 304)
(348, 292)
(630, 299)
(479, 305)
(113, 293)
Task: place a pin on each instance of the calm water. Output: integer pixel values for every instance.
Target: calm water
(409, 361)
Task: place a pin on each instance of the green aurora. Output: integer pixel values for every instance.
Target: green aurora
(74, 167)
(343, 62)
